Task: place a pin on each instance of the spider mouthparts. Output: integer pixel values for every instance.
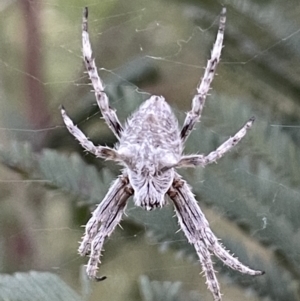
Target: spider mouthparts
(98, 279)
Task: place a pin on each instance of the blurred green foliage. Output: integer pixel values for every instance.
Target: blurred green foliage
(49, 185)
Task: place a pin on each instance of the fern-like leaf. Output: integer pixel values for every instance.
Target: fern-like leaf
(35, 286)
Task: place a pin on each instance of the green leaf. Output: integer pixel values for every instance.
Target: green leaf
(37, 286)
(73, 175)
(164, 291)
(67, 172)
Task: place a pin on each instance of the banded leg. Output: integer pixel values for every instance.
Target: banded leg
(202, 160)
(203, 87)
(208, 269)
(108, 113)
(99, 151)
(196, 228)
(104, 219)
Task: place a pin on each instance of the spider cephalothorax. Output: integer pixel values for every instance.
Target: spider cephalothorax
(150, 148)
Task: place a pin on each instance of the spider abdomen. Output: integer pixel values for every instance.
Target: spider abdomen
(153, 125)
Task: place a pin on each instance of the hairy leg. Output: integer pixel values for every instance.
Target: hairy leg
(196, 228)
(104, 219)
(202, 160)
(208, 269)
(108, 113)
(99, 151)
(199, 99)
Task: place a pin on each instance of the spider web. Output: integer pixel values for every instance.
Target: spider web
(251, 197)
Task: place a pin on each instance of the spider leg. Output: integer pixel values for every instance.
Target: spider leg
(191, 220)
(196, 228)
(202, 160)
(99, 151)
(213, 244)
(108, 113)
(208, 268)
(203, 87)
(104, 219)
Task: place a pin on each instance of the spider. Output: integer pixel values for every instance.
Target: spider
(150, 146)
